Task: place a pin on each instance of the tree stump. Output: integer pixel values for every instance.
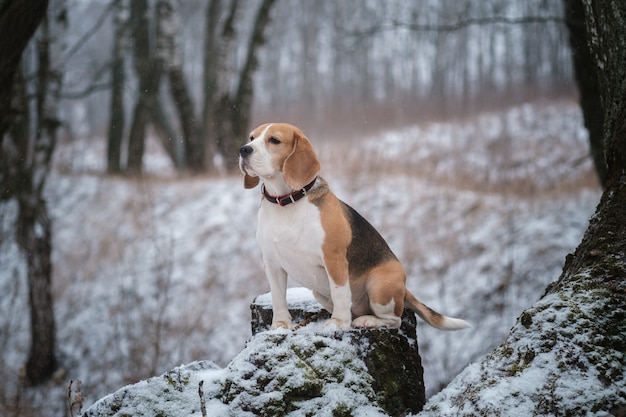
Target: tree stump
(391, 355)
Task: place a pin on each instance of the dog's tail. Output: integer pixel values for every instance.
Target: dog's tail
(431, 317)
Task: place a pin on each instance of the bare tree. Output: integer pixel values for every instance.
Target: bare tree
(242, 103)
(219, 68)
(153, 28)
(227, 112)
(214, 56)
(116, 106)
(148, 67)
(26, 159)
(191, 154)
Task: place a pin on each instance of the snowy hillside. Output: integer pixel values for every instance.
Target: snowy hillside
(156, 272)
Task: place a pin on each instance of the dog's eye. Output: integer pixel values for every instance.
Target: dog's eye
(251, 138)
(274, 141)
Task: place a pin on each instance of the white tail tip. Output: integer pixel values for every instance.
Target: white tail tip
(450, 323)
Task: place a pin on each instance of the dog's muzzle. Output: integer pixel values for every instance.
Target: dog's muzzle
(245, 151)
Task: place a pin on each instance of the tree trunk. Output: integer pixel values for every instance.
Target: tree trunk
(193, 145)
(18, 21)
(220, 105)
(23, 169)
(137, 137)
(565, 355)
(209, 78)
(587, 81)
(242, 105)
(35, 239)
(148, 66)
(116, 120)
(166, 133)
(226, 114)
(192, 153)
(26, 161)
(606, 25)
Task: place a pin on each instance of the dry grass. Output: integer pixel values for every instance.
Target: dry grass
(341, 159)
(513, 167)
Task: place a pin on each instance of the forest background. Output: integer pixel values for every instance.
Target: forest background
(316, 64)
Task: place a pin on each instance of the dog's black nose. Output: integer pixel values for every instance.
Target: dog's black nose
(245, 150)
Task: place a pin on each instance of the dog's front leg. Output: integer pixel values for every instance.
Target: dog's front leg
(341, 297)
(277, 278)
(336, 266)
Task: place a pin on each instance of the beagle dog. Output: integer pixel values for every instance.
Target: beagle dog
(305, 232)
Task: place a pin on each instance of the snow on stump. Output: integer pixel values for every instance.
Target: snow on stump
(312, 371)
(390, 355)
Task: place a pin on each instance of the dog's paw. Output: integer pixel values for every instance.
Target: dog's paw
(371, 321)
(281, 325)
(367, 322)
(341, 324)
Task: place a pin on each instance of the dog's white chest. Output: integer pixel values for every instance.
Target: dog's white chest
(291, 238)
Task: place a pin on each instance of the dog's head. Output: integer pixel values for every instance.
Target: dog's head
(278, 148)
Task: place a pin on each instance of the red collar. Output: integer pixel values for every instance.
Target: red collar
(284, 200)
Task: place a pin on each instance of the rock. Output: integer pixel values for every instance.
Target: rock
(309, 371)
(175, 393)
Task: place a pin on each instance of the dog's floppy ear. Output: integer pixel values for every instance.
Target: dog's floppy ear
(250, 182)
(302, 165)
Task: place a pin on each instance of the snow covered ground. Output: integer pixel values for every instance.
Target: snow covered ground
(156, 272)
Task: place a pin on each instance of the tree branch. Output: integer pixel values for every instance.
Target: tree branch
(392, 25)
(79, 44)
(77, 95)
(477, 21)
